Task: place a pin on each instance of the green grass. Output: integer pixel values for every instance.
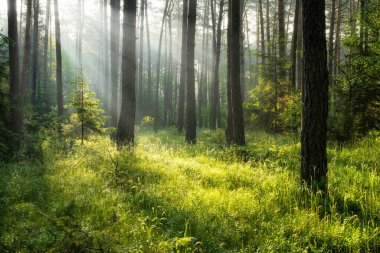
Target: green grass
(167, 196)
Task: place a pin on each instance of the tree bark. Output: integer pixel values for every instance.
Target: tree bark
(191, 126)
(126, 126)
(281, 39)
(331, 37)
(158, 70)
(217, 41)
(35, 51)
(182, 82)
(261, 15)
(58, 59)
(115, 37)
(141, 63)
(46, 44)
(235, 86)
(229, 132)
(294, 46)
(26, 53)
(315, 97)
(15, 123)
(150, 82)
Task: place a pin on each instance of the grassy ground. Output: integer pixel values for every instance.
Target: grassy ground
(166, 196)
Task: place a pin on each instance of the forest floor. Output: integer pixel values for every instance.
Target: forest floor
(166, 196)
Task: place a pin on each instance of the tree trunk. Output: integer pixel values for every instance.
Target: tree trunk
(26, 54)
(281, 39)
(261, 15)
(315, 97)
(235, 86)
(217, 41)
(268, 28)
(337, 36)
(229, 132)
(150, 82)
(191, 126)
(299, 66)
(141, 63)
(15, 123)
(115, 31)
(58, 59)
(46, 44)
(35, 51)
(126, 126)
(182, 82)
(294, 46)
(241, 53)
(106, 58)
(331, 38)
(156, 104)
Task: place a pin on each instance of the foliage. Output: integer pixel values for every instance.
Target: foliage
(87, 114)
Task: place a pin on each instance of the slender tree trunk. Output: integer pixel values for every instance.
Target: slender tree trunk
(58, 59)
(201, 81)
(16, 114)
(299, 66)
(150, 82)
(46, 44)
(281, 39)
(115, 37)
(268, 42)
(338, 35)
(331, 37)
(182, 82)
(315, 97)
(241, 53)
(26, 54)
(35, 51)
(141, 63)
(106, 58)
(216, 62)
(294, 46)
(235, 86)
(156, 105)
(126, 126)
(191, 126)
(261, 15)
(229, 132)
(20, 24)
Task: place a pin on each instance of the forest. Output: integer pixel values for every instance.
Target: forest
(189, 126)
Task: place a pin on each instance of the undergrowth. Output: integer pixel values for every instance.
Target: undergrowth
(167, 196)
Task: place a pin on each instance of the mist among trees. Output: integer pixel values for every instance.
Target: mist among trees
(189, 125)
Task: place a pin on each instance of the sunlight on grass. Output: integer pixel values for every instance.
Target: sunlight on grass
(167, 196)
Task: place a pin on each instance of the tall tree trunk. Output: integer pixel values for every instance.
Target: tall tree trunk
(242, 52)
(150, 82)
(106, 58)
(217, 41)
(261, 15)
(115, 37)
(141, 63)
(35, 51)
(182, 82)
(331, 37)
(191, 120)
(126, 126)
(201, 81)
(299, 66)
(267, 18)
(46, 44)
(281, 39)
(338, 35)
(236, 100)
(229, 132)
(15, 123)
(315, 97)
(158, 70)
(294, 46)
(26, 51)
(20, 24)
(58, 59)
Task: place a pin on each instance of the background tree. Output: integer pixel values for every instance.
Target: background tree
(115, 37)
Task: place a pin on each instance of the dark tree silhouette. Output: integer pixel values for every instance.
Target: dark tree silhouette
(126, 126)
(315, 96)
